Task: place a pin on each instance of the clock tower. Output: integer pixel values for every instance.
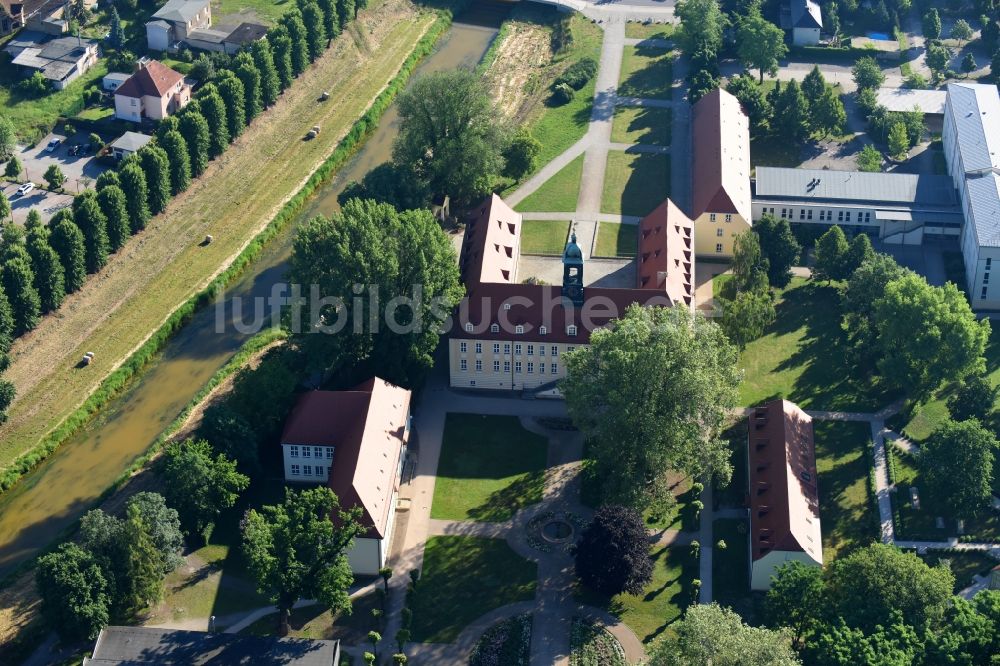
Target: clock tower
(572, 285)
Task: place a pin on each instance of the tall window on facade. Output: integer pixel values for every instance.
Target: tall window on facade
(293, 451)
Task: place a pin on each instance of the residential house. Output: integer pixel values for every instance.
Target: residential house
(807, 22)
(133, 646)
(512, 336)
(61, 60)
(172, 23)
(128, 143)
(155, 91)
(784, 496)
(355, 442)
(720, 138)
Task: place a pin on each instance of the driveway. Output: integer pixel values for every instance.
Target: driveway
(47, 203)
(36, 160)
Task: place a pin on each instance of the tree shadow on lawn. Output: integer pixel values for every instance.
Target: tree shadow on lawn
(648, 184)
(848, 522)
(504, 503)
(652, 81)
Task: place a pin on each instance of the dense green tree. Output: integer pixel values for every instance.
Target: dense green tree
(74, 593)
(746, 316)
(640, 428)
(295, 551)
(827, 115)
(8, 137)
(50, 277)
(814, 85)
(346, 11)
(331, 18)
(203, 69)
(91, 220)
(292, 21)
(54, 177)
(217, 117)
(797, 598)
(961, 31)
(956, 465)
(859, 251)
(521, 156)
(263, 58)
(391, 183)
(990, 36)
(899, 142)
(831, 255)
(967, 637)
(937, 58)
(749, 266)
(867, 73)
(931, 24)
(864, 287)
(136, 195)
(18, 282)
(265, 395)
(870, 585)
(6, 213)
(67, 240)
(969, 63)
(164, 527)
(198, 139)
(372, 244)
(778, 247)
(109, 177)
(249, 75)
(143, 562)
(33, 220)
(282, 44)
(712, 634)
(450, 134)
(701, 25)
(199, 484)
(927, 335)
(231, 90)
(178, 159)
(316, 35)
(6, 325)
(836, 644)
(870, 159)
(791, 113)
(232, 435)
(700, 83)
(612, 555)
(746, 89)
(13, 169)
(760, 43)
(973, 399)
(156, 166)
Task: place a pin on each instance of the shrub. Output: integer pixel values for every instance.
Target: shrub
(35, 85)
(578, 74)
(562, 94)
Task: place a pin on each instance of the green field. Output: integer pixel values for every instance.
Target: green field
(33, 117)
(558, 194)
(642, 124)
(647, 72)
(846, 510)
(463, 578)
(635, 183)
(268, 11)
(490, 467)
(635, 30)
(544, 236)
(616, 240)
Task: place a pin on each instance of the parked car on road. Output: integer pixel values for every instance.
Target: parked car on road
(24, 189)
(52, 145)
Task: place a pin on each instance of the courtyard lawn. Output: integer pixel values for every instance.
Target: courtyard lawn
(774, 151)
(646, 72)
(635, 30)
(635, 183)
(802, 356)
(558, 194)
(651, 613)
(319, 623)
(640, 124)
(490, 467)
(734, 494)
(965, 565)
(730, 582)
(847, 514)
(463, 578)
(544, 236)
(616, 240)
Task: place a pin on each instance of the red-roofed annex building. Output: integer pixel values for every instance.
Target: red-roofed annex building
(155, 91)
(354, 442)
(784, 497)
(512, 336)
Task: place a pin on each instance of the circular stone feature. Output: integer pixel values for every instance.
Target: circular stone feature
(557, 531)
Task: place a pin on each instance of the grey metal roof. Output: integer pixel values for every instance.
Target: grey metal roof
(823, 185)
(117, 76)
(131, 141)
(117, 646)
(806, 14)
(983, 195)
(210, 35)
(975, 111)
(904, 99)
(180, 10)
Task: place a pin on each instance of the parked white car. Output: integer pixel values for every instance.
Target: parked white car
(52, 145)
(24, 189)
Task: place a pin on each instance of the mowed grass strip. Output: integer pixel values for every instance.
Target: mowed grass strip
(647, 72)
(463, 578)
(267, 11)
(544, 236)
(635, 183)
(642, 124)
(636, 30)
(842, 461)
(233, 200)
(490, 467)
(558, 194)
(616, 240)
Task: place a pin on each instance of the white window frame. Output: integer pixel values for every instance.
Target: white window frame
(296, 470)
(293, 451)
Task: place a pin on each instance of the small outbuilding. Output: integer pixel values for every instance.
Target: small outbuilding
(807, 22)
(113, 80)
(128, 143)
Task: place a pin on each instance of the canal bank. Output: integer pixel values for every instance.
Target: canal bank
(51, 497)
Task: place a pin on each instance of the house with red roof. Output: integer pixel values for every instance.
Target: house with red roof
(155, 91)
(354, 442)
(784, 496)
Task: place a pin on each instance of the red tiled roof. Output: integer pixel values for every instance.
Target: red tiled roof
(666, 256)
(491, 245)
(720, 139)
(784, 497)
(155, 79)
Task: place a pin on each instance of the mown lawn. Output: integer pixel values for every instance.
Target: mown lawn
(616, 240)
(846, 510)
(558, 194)
(544, 236)
(635, 183)
(652, 613)
(267, 10)
(319, 623)
(490, 467)
(641, 124)
(646, 72)
(730, 574)
(33, 117)
(635, 30)
(463, 578)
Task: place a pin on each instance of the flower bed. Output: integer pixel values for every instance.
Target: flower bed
(535, 526)
(506, 643)
(591, 645)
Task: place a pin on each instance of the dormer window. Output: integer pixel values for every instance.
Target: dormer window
(519, 329)
(468, 327)
(506, 306)
(494, 328)
(542, 330)
(571, 330)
